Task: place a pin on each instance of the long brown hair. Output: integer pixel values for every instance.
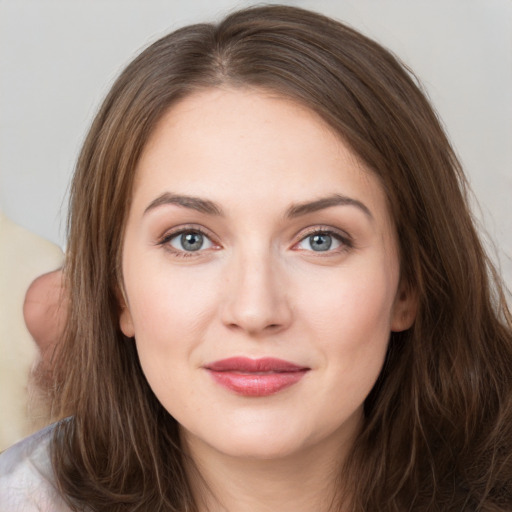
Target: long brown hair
(437, 433)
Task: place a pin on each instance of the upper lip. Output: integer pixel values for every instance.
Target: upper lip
(249, 365)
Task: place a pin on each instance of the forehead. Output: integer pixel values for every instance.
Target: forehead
(253, 142)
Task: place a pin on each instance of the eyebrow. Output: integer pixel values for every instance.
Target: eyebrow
(210, 208)
(194, 203)
(326, 202)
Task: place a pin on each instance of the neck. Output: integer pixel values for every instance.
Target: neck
(308, 481)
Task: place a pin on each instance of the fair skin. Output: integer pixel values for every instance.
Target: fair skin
(254, 232)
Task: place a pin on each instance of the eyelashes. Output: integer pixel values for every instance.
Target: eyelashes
(188, 242)
(194, 241)
(324, 240)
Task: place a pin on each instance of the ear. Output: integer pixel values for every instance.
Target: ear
(126, 322)
(405, 308)
(125, 317)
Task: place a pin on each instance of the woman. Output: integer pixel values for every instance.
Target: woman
(277, 297)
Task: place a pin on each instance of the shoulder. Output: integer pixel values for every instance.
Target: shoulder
(26, 476)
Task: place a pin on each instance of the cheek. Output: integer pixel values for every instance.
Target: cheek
(351, 329)
(168, 320)
(169, 309)
(351, 320)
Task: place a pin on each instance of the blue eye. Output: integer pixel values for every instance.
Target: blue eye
(190, 241)
(321, 242)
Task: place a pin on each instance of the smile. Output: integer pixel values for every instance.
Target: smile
(255, 377)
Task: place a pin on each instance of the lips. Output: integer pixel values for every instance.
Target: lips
(255, 377)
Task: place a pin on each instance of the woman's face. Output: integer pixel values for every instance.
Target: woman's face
(261, 275)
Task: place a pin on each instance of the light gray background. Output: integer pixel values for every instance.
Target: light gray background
(59, 57)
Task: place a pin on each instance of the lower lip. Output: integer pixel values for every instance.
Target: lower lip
(257, 384)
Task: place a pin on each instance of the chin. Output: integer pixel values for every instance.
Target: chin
(253, 441)
(268, 447)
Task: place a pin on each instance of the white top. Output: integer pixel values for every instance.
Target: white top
(26, 476)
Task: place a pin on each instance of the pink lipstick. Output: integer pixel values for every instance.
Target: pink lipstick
(255, 377)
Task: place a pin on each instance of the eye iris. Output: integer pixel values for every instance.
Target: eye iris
(191, 241)
(320, 242)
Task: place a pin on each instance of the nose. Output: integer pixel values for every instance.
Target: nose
(256, 297)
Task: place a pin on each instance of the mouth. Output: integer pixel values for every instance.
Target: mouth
(255, 377)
